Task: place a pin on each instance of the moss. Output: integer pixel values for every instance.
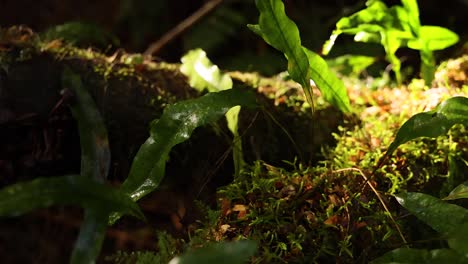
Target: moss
(314, 214)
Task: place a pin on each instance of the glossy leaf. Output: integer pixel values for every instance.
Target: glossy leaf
(202, 73)
(175, 126)
(24, 197)
(332, 88)
(461, 191)
(440, 215)
(433, 123)
(433, 38)
(225, 252)
(95, 152)
(282, 33)
(417, 256)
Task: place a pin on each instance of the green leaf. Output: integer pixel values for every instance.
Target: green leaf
(175, 126)
(225, 252)
(461, 191)
(418, 256)
(366, 21)
(350, 64)
(412, 10)
(95, 153)
(433, 123)
(282, 33)
(92, 234)
(441, 216)
(23, 197)
(202, 73)
(332, 88)
(232, 118)
(433, 38)
(458, 240)
(95, 163)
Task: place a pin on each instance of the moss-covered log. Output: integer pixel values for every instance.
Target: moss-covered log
(38, 135)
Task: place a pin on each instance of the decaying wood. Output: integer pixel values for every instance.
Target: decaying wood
(130, 95)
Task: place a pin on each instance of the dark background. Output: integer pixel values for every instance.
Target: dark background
(223, 33)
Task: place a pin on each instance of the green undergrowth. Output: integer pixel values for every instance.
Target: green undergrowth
(328, 212)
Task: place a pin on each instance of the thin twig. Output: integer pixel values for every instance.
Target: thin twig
(379, 197)
(155, 47)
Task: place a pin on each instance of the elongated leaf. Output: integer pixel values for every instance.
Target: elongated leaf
(225, 252)
(443, 217)
(412, 10)
(433, 38)
(95, 153)
(202, 73)
(433, 123)
(21, 198)
(418, 256)
(95, 163)
(332, 88)
(232, 118)
(461, 191)
(175, 126)
(282, 33)
(92, 233)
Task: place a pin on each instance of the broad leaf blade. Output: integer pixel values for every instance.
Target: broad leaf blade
(175, 126)
(282, 33)
(202, 73)
(441, 216)
(332, 88)
(433, 123)
(23, 197)
(225, 252)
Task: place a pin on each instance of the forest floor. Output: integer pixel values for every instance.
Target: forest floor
(339, 209)
(315, 195)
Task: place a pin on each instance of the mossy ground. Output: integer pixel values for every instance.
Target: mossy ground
(327, 212)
